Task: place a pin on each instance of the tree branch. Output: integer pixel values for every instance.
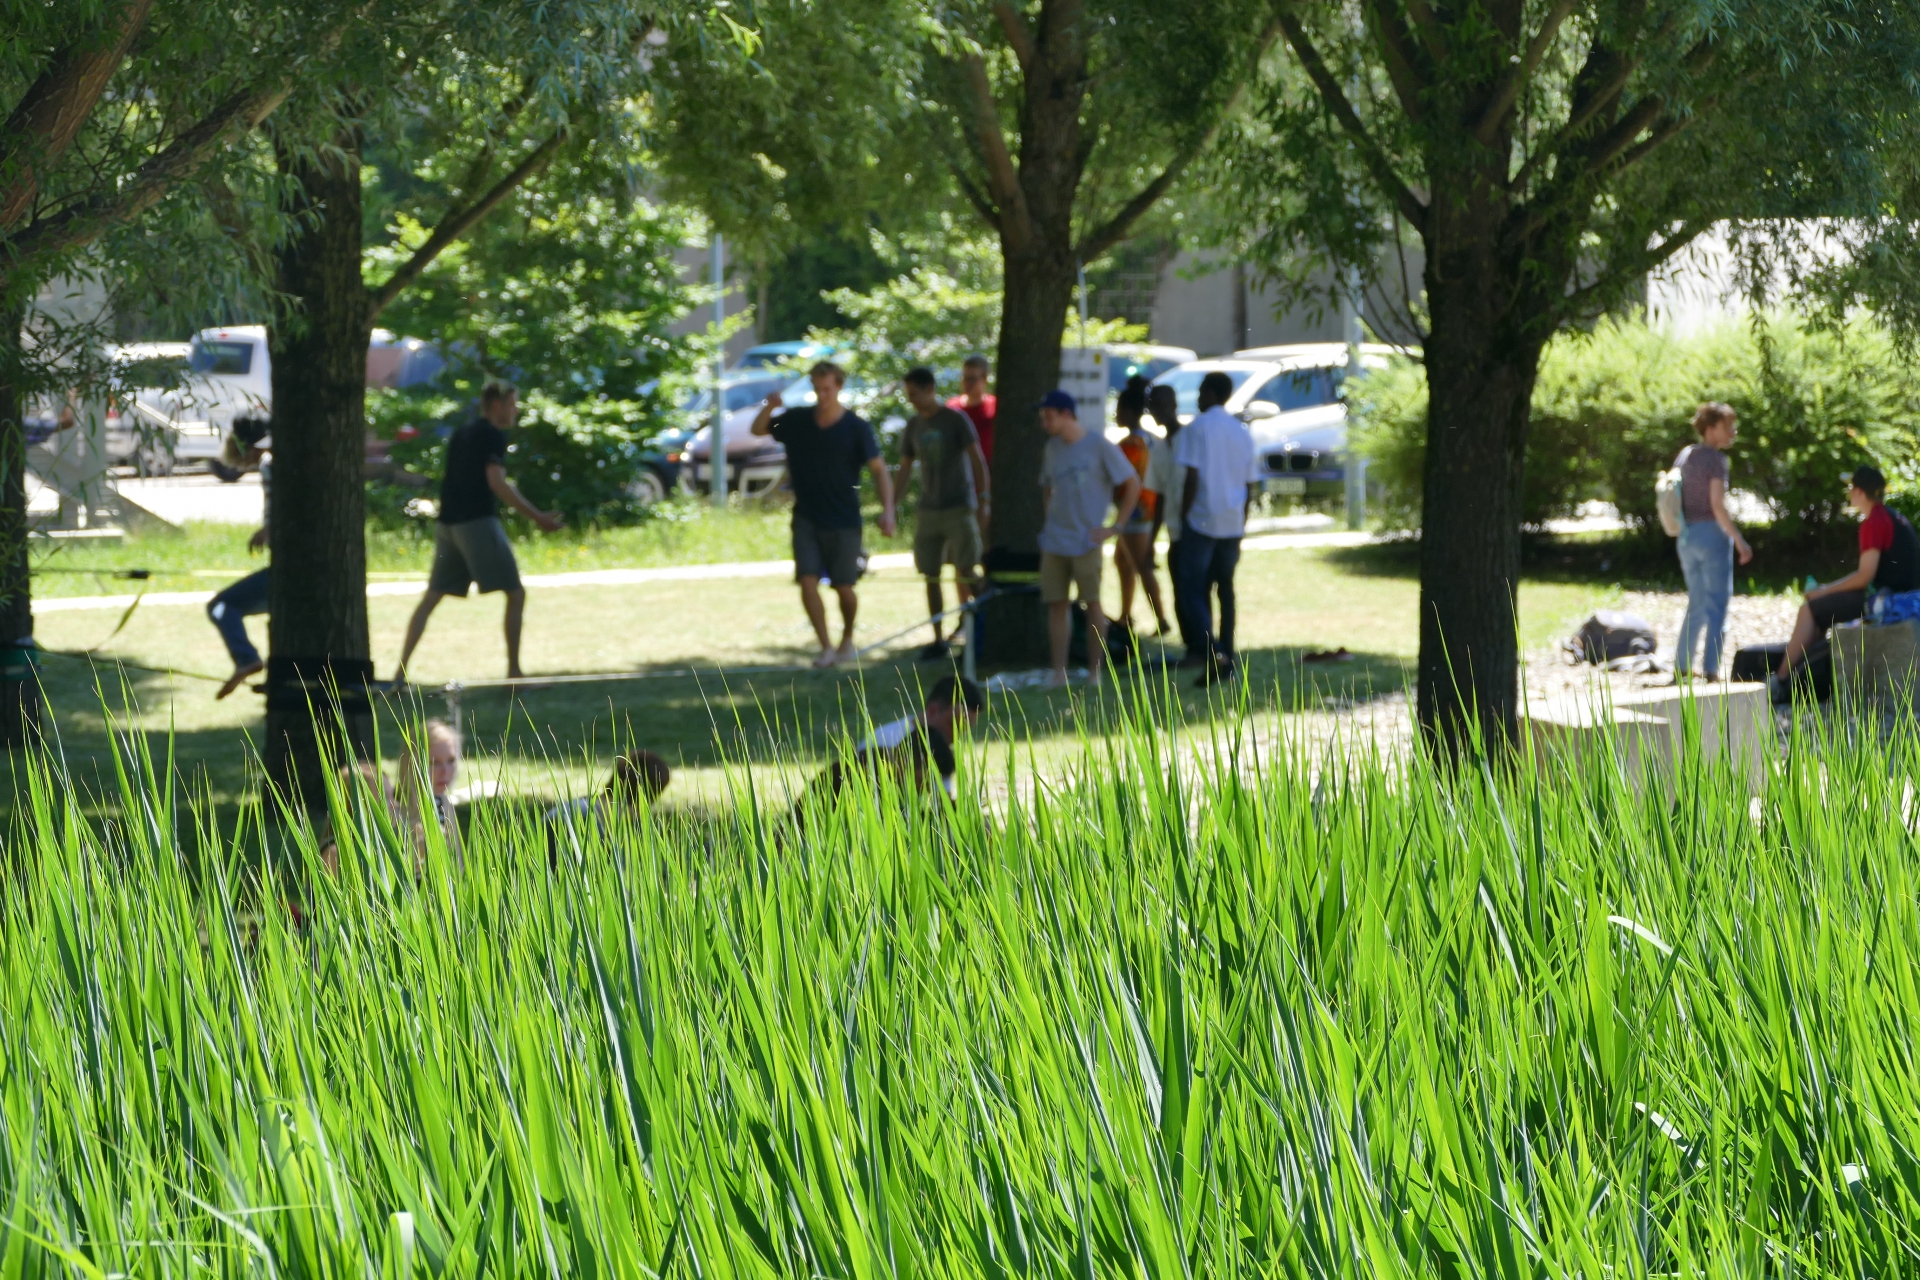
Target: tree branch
(459, 222)
(86, 222)
(1377, 160)
(1396, 46)
(1509, 91)
(1003, 180)
(47, 119)
(1115, 229)
(1639, 265)
(975, 197)
(1019, 35)
(1432, 34)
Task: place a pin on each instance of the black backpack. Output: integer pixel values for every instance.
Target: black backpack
(1610, 634)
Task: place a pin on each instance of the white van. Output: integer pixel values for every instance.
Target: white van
(228, 374)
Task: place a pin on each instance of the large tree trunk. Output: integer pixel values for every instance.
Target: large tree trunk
(317, 628)
(19, 685)
(1038, 289)
(1482, 358)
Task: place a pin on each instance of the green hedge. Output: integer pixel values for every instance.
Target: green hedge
(1613, 407)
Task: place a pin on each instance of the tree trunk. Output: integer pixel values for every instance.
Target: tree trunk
(317, 627)
(1038, 288)
(19, 684)
(1482, 358)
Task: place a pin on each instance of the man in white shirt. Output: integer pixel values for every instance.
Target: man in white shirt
(1214, 454)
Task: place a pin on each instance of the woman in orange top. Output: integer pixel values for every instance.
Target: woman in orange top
(1134, 554)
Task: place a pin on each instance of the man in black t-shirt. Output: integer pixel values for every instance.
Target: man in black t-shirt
(827, 444)
(471, 544)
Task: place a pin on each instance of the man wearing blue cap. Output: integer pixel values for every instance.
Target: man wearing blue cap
(1082, 473)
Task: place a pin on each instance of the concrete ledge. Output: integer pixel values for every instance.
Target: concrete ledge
(1878, 662)
(1649, 729)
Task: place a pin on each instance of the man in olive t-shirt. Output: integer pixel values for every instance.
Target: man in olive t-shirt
(954, 500)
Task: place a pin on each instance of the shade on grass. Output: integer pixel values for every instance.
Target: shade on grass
(1253, 1015)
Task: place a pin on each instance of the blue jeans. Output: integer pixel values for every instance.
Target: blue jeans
(1202, 565)
(231, 608)
(1706, 558)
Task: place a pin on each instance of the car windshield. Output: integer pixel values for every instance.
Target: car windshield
(1186, 385)
(739, 395)
(1124, 366)
(1302, 389)
(221, 357)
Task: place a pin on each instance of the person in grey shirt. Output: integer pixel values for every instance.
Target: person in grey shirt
(1082, 473)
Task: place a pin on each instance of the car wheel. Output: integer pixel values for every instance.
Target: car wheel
(647, 488)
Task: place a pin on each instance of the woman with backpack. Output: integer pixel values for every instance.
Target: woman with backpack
(1709, 540)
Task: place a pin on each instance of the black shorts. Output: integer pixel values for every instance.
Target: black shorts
(834, 554)
(1837, 606)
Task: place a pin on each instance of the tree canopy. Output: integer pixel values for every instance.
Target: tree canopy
(1546, 154)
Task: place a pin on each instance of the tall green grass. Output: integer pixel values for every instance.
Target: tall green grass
(1256, 1011)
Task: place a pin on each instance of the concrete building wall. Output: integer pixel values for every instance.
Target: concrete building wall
(1216, 307)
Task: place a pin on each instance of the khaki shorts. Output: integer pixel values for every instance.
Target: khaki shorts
(473, 551)
(947, 537)
(1057, 573)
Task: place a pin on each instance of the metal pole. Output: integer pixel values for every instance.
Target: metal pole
(1080, 270)
(717, 454)
(1355, 466)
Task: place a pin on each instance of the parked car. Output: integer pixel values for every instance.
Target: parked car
(1290, 398)
(1127, 359)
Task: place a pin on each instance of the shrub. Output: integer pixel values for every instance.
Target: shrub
(1613, 406)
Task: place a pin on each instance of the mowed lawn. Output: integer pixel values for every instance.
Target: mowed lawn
(710, 698)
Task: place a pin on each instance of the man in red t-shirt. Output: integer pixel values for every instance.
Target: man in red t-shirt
(974, 401)
(1889, 561)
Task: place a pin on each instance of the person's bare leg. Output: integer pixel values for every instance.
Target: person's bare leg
(1123, 561)
(516, 615)
(1057, 635)
(1141, 547)
(1804, 632)
(1096, 640)
(937, 604)
(417, 627)
(817, 614)
(849, 610)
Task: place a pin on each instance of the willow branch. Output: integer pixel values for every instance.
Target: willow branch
(1376, 159)
(459, 222)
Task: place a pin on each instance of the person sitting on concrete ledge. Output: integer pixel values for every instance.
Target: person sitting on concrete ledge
(1889, 561)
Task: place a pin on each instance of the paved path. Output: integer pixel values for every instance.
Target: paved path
(639, 577)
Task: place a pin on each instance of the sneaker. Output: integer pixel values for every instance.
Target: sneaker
(935, 651)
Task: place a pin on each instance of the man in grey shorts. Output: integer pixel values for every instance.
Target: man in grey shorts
(471, 544)
(828, 445)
